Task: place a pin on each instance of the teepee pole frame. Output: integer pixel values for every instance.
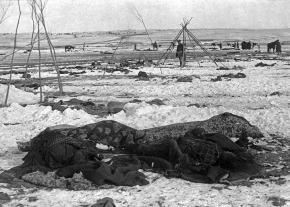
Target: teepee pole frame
(191, 38)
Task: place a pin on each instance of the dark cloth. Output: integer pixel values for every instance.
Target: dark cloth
(123, 173)
(179, 50)
(201, 153)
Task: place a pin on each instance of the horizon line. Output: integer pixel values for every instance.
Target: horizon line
(152, 29)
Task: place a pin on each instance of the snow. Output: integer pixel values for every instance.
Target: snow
(17, 96)
(249, 97)
(18, 123)
(164, 192)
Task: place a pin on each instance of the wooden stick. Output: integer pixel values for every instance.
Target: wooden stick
(12, 58)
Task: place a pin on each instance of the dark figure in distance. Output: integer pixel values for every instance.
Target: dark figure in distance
(155, 46)
(220, 45)
(278, 47)
(238, 45)
(179, 53)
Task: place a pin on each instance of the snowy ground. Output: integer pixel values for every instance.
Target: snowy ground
(249, 97)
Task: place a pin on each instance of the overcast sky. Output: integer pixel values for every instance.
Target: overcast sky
(100, 15)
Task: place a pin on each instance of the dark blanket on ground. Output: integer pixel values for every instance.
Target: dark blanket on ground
(175, 150)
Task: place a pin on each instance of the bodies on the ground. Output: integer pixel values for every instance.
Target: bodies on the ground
(210, 155)
(169, 150)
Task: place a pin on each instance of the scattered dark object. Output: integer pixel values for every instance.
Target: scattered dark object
(233, 68)
(7, 124)
(231, 75)
(107, 53)
(219, 60)
(197, 105)
(184, 79)
(104, 202)
(26, 75)
(223, 68)
(276, 93)
(135, 101)
(140, 63)
(115, 69)
(32, 199)
(143, 76)
(77, 73)
(34, 85)
(87, 106)
(156, 101)
(115, 107)
(64, 72)
(4, 198)
(218, 78)
(68, 48)
(124, 63)
(277, 201)
(261, 64)
(26, 51)
(56, 105)
(238, 68)
(79, 67)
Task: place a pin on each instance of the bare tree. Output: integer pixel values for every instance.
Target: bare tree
(4, 7)
(12, 58)
(38, 9)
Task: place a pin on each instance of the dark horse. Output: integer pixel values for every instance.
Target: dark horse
(246, 45)
(272, 45)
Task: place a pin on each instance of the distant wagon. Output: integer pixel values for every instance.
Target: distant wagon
(69, 48)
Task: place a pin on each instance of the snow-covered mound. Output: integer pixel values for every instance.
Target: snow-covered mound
(19, 123)
(142, 115)
(17, 96)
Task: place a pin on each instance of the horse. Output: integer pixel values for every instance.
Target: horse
(69, 48)
(272, 45)
(246, 45)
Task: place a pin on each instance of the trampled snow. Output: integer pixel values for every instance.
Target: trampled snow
(17, 96)
(192, 101)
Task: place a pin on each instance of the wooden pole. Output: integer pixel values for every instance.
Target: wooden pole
(33, 38)
(183, 49)
(39, 60)
(12, 58)
(51, 47)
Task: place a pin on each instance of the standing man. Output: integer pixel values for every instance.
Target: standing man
(155, 46)
(278, 48)
(179, 53)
